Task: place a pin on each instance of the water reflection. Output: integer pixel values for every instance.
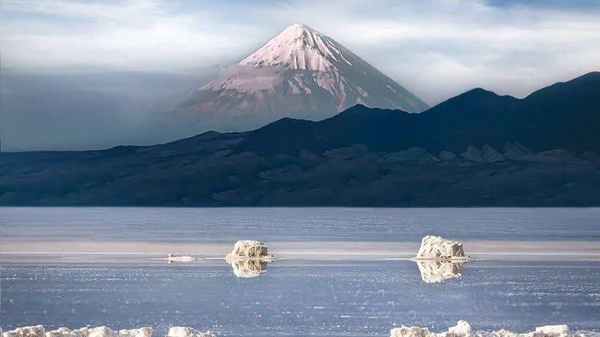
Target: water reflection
(248, 268)
(439, 271)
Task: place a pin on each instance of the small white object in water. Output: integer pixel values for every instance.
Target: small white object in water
(438, 248)
(180, 258)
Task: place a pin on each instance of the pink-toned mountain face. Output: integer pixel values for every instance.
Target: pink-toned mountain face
(300, 73)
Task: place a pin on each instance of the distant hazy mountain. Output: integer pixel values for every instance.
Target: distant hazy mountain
(300, 73)
(475, 149)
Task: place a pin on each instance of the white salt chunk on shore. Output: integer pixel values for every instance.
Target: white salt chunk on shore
(248, 249)
(28, 331)
(438, 248)
(552, 331)
(101, 331)
(181, 331)
(141, 332)
(63, 332)
(412, 331)
(463, 329)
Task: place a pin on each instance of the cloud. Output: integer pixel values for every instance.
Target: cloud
(128, 35)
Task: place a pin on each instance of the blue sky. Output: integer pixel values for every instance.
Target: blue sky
(437, 48)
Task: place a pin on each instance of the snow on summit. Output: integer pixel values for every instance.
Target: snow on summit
(300, 73)
(299, 47)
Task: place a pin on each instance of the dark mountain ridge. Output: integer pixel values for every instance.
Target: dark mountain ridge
(476, 149)
(564, 115)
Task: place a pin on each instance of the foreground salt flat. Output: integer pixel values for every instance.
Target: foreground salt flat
(462, 329)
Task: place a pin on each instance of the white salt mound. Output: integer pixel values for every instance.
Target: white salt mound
(463, 329)
(438, 248)
(439, 271)
(181, 331)
(248, 249)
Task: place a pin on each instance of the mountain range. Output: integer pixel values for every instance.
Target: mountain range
(475, 149)
(300, 73)
(564, 115)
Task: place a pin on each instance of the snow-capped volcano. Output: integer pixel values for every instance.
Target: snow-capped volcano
(299, 73)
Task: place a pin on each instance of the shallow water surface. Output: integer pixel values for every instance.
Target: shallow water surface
(534, 267)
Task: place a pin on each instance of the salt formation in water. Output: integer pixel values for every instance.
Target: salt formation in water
(248, 249)
(439, 271)
(438, 248)
(248, 268)
(102, 331)
(182, 331)
(463, 329)
(180, 258)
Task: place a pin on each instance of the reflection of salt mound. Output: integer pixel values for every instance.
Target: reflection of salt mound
(38, 331)
(439, 271)
(438, 248)
(248, 268)
(248, 249)
(181, 331)
(180, 258)
(463, 329)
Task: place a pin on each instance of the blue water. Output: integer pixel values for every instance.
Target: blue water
(299, 297)
(323, 299)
